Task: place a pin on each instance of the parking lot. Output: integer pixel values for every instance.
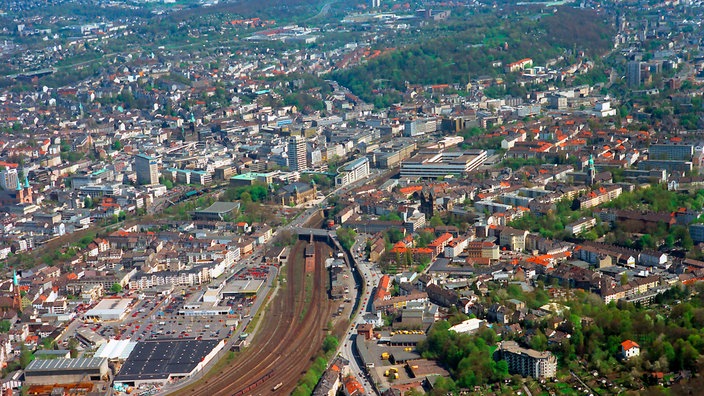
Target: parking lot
(159, 318)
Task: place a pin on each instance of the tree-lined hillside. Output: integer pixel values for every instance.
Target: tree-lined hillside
(471, 47)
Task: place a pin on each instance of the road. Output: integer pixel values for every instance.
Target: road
(347, 349)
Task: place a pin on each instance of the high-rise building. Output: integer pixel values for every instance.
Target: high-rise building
(634, 73)
(527, 362)
(8, 179)
(297, 153)
(147, 169)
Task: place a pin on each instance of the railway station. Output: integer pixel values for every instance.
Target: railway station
(161, 361)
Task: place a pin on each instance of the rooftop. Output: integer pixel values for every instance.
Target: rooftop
(64, 364)
(161, 358)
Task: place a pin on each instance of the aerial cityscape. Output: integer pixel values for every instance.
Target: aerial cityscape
(362, 197)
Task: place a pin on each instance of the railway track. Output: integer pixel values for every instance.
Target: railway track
(289, 337)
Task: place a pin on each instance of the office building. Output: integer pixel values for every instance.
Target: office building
(633, 73)
(8, 179)
(671, 152)
(527, 362)
(297, 153)
(434, 164)
(147, 169)
(352, 171)
(420, 127)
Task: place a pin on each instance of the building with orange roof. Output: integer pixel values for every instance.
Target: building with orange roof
(352, 387)
(629, 349)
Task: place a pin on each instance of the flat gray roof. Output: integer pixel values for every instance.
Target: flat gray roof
(65, 364)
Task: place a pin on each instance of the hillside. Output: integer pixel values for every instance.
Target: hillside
(470, 47)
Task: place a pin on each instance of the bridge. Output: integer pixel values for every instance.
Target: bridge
(318, 234)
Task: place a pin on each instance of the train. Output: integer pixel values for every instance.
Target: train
(278, 386)
(256, 383)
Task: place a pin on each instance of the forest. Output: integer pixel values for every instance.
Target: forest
(468, 48)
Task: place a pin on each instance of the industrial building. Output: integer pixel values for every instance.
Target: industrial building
(160, 361)
(66, 371)
(109, 309)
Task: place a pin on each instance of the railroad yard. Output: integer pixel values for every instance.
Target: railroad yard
(288, 338)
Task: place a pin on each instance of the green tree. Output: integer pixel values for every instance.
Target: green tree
(26, 356)
(330, 343)
(5, 326)
(116, 288)
(117, 145)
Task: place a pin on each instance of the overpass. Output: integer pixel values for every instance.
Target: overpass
(304, 234)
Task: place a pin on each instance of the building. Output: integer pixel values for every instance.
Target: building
(297, 153)
(633, 73)
(9, 179)
(147, 169)
(671, 152)
(352, 171)
(629, 349)
(297, 193)
(162, 361)
(514, 239)
(527, 362)
(217, 211)
(109, 309)
(599, 196)
(435, 164)
(469, 326)
(582, 225)
(696, 231)
(66, 371)
(413, 128)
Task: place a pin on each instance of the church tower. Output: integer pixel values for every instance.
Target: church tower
(16, 297)
(24, 193)
(591, 172)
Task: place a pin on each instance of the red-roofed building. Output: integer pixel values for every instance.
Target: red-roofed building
(629, 349)
(352, 387)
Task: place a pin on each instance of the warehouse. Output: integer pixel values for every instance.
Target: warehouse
(109, 309)
(66, 371)
(160, 361)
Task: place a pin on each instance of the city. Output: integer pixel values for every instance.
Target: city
(307, 197)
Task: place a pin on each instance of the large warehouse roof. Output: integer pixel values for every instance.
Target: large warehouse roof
(63, 365)
(116, 349)
(158, 359)
(244, 286)
(109, 307)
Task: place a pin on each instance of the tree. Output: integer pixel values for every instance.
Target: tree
(330, 343)
(26, 356)
(116, 288)
(117, 145)
(88, 203)
(5, 326)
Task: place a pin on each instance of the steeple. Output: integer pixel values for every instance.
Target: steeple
(19, 186)
(15, 281)
(26, 182)
(591, 171)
